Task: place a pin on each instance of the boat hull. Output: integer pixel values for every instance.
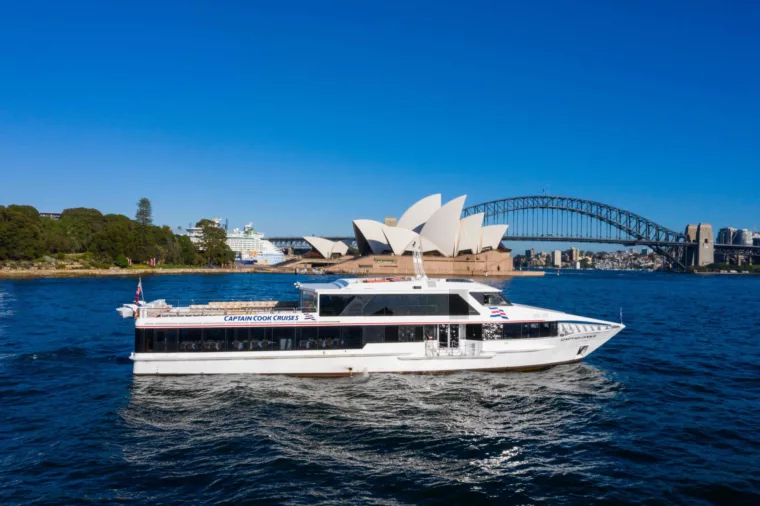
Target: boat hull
(492, 355)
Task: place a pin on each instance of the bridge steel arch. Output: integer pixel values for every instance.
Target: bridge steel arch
(667, 243)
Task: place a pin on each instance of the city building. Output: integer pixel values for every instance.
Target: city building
(646, 251)
(726, 235)
(743, 237)
(52, 216)
(557, 258)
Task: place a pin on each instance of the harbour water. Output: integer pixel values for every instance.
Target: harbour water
(667, 412)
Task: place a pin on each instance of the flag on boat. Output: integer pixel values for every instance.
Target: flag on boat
(497, 312)
(139, 291)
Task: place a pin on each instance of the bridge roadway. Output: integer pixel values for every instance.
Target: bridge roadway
(734, 249)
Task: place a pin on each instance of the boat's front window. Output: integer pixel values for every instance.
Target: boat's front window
(490, 299)
(308, 301)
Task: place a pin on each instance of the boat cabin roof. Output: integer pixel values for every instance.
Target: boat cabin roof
(396, 285)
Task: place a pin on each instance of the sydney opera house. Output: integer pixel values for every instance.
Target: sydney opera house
(450, 244)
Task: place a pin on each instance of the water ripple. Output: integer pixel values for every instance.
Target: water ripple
(665, 413)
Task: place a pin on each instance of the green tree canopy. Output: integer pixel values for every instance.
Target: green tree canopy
(144, 215)
(214, 243)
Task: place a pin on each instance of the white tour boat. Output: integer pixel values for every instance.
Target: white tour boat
(354, 326)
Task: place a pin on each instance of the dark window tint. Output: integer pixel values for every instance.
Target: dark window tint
(459, 307)
(159, 341)
(475, 332)
(139, 339)
(351, 337)
(330, 336)
(530, 330)
(512, 330)
(308, 337)
(237, 339)
(190, 340)
(213, 339)
(261, 339)
(394, 305)
(283, 338)
(171, 341)
(490, 299)
(410, 333)
(148, 341)
(373, 334)
(391, 334)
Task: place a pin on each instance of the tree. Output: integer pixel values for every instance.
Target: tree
(214, 243)
(188, 252)
(20, 235)
(121, 261)
(144, 215)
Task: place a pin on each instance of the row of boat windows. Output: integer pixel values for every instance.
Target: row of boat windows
(395, 305)
(327, 338)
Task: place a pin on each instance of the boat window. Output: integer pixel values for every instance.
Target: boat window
(148, 341)
(395, 305)
(190, 340)
(530, 330)
(474, 332)
(159, 341)
(283, 337)
(333, 305)
(330, 337)
(409, 333)
(459, 307)
(261, 339)
(512, 330)
(490, 299)
(391, 334)
(373, 334)
(308, 301)
(548, 329)
(171, 341)
(237, 339)
(213, 339)
(308, 337)
(351, 337)
(139, 340)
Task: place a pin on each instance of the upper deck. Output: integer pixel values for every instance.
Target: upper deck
(310, 294)
(396, 285)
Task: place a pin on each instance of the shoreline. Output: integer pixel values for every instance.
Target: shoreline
(108, 273)
(103, 273)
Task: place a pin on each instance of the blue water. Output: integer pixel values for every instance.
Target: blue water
(667, 412)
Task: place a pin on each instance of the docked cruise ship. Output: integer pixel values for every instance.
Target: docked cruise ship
(353, 326)
(249, 246)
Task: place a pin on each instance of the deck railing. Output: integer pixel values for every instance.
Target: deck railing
(465, 349)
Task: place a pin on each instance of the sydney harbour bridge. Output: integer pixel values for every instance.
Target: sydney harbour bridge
(540, 218)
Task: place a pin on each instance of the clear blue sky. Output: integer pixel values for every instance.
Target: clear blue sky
(301, 116)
